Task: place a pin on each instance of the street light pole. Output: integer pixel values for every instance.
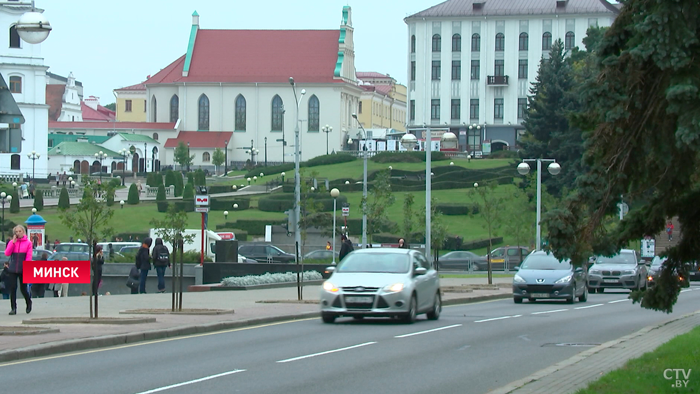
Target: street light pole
(145, 159)
(4, 199)
(334, 193)
(297, 176)
(33, 157)
(327, 129)
(408, 141)
(226, 158)
(265, 151)
(364, 183)
(188, 156)
(554, 168)
(125, 153)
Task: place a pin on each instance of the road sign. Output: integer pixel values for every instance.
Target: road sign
(201, 209)
(346, 211)
(201, 199)
(648, 247)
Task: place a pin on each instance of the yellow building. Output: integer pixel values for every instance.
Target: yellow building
(131, 103)
(382, 103)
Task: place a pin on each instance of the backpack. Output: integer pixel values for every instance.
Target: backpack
(163, 256)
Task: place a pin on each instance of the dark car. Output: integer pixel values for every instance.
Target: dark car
(265, 253)
(462, 260)
(543, 276)
(129, 250)
(694, 271)
(507, 257)
(656, 267)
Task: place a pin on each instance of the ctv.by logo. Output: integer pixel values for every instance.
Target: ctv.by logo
(678, 383)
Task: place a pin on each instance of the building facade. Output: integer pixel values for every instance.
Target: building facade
(382, 103)
(131, 103)
(471, 63)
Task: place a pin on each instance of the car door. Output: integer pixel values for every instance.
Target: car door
(273, 255)
(498, 257)
(423, 282)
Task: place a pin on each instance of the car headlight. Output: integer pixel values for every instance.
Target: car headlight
(594, 272)
(395, 288)
(628, 272)
(518, 279)
(565, 279)
(330, 287)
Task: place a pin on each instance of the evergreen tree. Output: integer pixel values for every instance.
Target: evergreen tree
(161, 193)
(149, 179)
(200, 179)
(218, 158)
(14, 204)
(133, 197)
(188, 194)
(190, 177)
(39, 200)
(169, 178)
(178, 184)
(64, 199)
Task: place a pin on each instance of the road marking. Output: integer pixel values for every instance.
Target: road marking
(683, 291)
(427, 331)
(497, 318)
(524, 338)
(554, 311)
(589, 306)
(172, 386)
(616, 301)
(326, 352)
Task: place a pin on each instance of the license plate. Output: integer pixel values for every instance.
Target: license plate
(540, 295)
(610, 280)
(359, 300)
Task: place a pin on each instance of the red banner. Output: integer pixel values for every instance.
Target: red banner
(56, 272)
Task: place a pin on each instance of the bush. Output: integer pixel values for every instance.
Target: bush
(149, 179)
(39, 200)
(216, 189)
(200, 179)
(284, 201)
(110, 196)
(178, 184)
(189, 192)
(226, 203)
(252, 227)
(503, 154)
(271, 170)
(133, 198)
(114, 183)
(185, 205)
(169, 178)
(161, 193)
(63, 199)
(481, 243)
(268, 278)
(190, 177)
(329, 159)
(162, 206)
(406, 157)
(14, 204)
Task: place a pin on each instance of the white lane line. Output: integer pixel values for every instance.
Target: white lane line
(683, 291)
(497, 318)
(326, 352)
(427, 331)
(172, 386)
(616, 301)
(553, 311)
(589, 306)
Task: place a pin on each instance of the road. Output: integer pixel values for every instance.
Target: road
(472, 349)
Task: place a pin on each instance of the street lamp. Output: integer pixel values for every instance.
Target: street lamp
(364, 184)
(33, 210)
(472, 135)
(188, 156)
(334, 193)
(100, 156)
(145, 158)
(14, 185)
(235, 206)
(33, 157)
(121, 203)
(554, 169)
(33, 27)
(408, 141)
(125, 153)
(283, 174)
(226, 158)
(297, 176)
(327, 129)
(225, 214)
(70, 182)
(265, 151)
(4, 199)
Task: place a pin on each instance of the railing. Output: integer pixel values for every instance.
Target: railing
(153, 191)
(497, 80)
(54, 192)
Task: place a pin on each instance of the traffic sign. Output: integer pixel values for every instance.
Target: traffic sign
(346, 211)
(201, 199)
(201, 209)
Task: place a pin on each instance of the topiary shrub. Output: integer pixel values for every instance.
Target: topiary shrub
(133, 198)
(110, 196)
(178, 184)
(149, 179)
(200, 178)
(114, 183)
(188, 194)
(14, 204)
(39, 200)
(190, 177)
(170, 178)
(162, 206)
(63, 199)
(161, 193)
(185, 205)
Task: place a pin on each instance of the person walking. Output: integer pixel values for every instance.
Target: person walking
(63, 287)
(669, 230)
(4, 274)
(143, 262)
(132, 281)
(97, 262)
(161, 260)
(345, 247)
(329, 246)
(403, 244)
(19, 249)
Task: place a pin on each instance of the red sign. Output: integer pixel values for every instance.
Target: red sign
(225, 236)
(56, 272)
(202, 199)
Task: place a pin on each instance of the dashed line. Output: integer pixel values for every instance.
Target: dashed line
(497, 318)
(326, 352)
(553, 311)
(172, 386)
(616, 301)
(589, 306)
(427, 331)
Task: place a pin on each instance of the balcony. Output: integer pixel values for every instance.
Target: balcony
(497, 80)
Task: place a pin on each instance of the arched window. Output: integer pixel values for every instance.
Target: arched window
(569, 40)
(500, 42)
(15, 162)
(240, 113)
(155, 136)
(206, 157)
(523, 42)
(456, 43)
(476, 42)
(154, 109)
(277, 114)
(174, 108)
(203, 112)
(14, 37)
(314, 113)
(16, 84)
(546, 41)
(437, 45)
(413, 44)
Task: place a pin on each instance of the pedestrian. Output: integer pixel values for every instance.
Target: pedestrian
(19, 250)
(403, 244)
(161, 260)
(328, 246)
(32, 188)
(97, 262)
(132, 281)
(345, 247)
(64, 178)
(38, 289)
(143, 262)
(63, 286)
(58, 178)
(4, 276)
(669, 230)
(111, 251)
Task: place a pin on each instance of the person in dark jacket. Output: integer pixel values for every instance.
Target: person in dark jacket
(161, 260)
(403, 244)
(143, 262)
(3, 279)
(97, 262)
(345, 247)
(134, 276)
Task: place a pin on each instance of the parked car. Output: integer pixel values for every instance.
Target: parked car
(382, 282)
(264, 252)
(72, 247)
(694, 271)
(72, 256)
(116, 246)
(507, 257)
(321, 254)
(621, 271)
(129, 250)
(37, 253)
(462, 260)
(656, 267)
(543, 276)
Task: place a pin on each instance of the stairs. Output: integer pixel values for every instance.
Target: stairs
(662, 242)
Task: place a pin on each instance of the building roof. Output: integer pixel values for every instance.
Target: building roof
(53, 125)
(370, 75)
(101, 114)
(137, 138)
(466, 8)
(58, 138)
(136, 87)
(54, 99)
(245, 56)
(384, 90)
(68, 148)
(201, 139)
(61, 78)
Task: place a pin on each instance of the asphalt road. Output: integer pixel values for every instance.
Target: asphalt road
(472, 349)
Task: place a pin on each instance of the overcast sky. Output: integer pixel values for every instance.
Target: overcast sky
(112, 44)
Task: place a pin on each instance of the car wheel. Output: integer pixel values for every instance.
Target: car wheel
(601, 290)
(410, 316)
(518, 300)
(570, 300)
(434, 313)
(328, 318)
(475, 267)
(584, 296)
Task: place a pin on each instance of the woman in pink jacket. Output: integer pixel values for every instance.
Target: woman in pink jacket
(19, 250)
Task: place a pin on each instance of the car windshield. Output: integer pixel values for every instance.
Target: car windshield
(375, 262)
(547, 262)
(622, 258)
(657, 261)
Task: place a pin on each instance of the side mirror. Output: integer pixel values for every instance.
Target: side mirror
(516, 268)
(420, 271)
(330, 270)
(578, 269)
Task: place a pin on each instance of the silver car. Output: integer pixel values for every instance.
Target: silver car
(382, 282)
(621, 271)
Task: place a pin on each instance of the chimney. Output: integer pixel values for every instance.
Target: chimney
(92, 102)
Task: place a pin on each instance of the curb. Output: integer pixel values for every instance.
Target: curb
(471, 300)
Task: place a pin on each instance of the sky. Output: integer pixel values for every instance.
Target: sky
(112, 44)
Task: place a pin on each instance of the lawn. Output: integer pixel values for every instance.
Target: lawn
(646, 373)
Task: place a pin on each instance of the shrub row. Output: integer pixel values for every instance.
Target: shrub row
(481, 243)
(226, 203)
(283, 202)
(252, 227)
(406, 157)
(457, 209)
(336, 158)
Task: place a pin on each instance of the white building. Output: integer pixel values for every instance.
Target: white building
(471, 63)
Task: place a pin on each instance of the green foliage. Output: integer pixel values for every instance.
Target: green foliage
(14, 204)
(337, 158)
(457, 209)
(309, 209)
(184, 205)
(226, 203)
(252, 227)
(149, 179)
(408, 203)
(162, 206)
(109, 196)
(406, 157)
(490, 210)
(521, 218)
(218, 158)
(504, 154)
(438, 229)
(133, 197)
(63, 199)
(200, 178)
(161, 193)
(181, 155)
(190, 177)
(482, 243)
(378, 199)
(178, 184)
(39, 200)
(281, 202)
(170, 178)
(189, 192)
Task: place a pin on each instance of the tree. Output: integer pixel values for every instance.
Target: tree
(200, 178)
(521, 219)
(111, 106)
(375, 207)
(490, 208)
(63, 199)
(438, 229)
(178, 184)
(149, 179)
(161, 193)
(643, 142)
(408, 203)
(133, 197)
(169, 178)
(14, 204)
(189, 192)
(218, 158)
(182, 156)
(39, 200)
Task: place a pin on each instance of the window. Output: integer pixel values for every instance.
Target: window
(522, 107)
(522, 68)
(546, 41)
(456, 43)
(476, 69)
(569, 40)
(474, 109)
(277, 115)
(435, 75)
(412, 110)
(16, 84)
(240, 121)
(145, 104)
(523, 42)
(413, 44)
(203, 112)
(127, 106)
(500, 42)
(435, 109)
(359, 108)
(314, 113)
(15, 162)
(413, 70)
(498, 108)
(455, 109)
(456, 70)
(154, 109)
(437, 46)
(155, 136)
(14, 38)
(206, 157)
(498, 68)
(476, 42)
(174, 104)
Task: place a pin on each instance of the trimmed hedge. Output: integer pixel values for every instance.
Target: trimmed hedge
(189, 192)
(39, 200)
(406, 157)
(226, 203)
(162, 206)
(481, 243)
(185, 205)
(63, 199)
(252, 227)
(457, 209)
(282, 202)
(336, 158)
(133, 197)
(216, 189)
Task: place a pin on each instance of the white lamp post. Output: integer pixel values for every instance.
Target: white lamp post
(225, 214)
(297, 176)
(33, 27)
(364, 182)
(408, 141)
(334, 193)
(121, 203)
(554, 169)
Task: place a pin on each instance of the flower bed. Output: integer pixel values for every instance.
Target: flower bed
(251, 280)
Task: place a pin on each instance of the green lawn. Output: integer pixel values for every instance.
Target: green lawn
(646, 373)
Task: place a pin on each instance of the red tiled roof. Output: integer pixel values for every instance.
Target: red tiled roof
(138, 86)
(370, 74)
(54, 99)
(381, 89)
(111, 125)
(271, 56)
(201, 139)
(101, 114)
